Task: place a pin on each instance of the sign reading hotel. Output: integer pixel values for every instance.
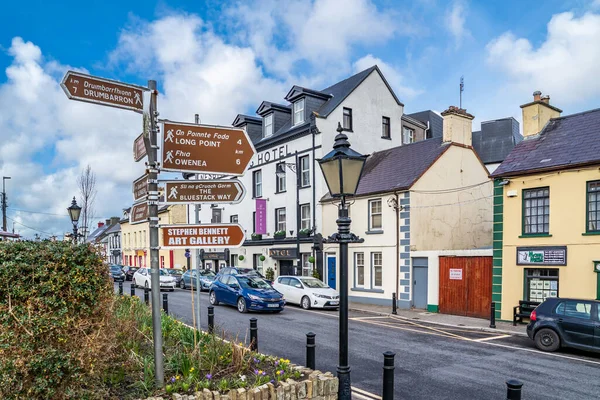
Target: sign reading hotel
(93, 89)
(138, 213)
(222, 191)
(547, 255)
(205, 149)
(140, 188)
(198, 236)
(139, 148)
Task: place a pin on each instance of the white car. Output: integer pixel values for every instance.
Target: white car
(141, 278)
(307, 291)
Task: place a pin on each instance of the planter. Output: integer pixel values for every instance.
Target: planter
(303, 235)
(256, 237)
(279, 235)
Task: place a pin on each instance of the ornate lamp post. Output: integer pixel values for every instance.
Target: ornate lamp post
(74, 212)
(342, 169)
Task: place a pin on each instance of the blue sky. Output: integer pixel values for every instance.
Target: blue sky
(223, 58)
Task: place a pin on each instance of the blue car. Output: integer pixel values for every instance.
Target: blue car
(188, 279)
(247, 292)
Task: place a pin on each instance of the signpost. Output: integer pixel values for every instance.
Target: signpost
(139, 213)
(139, 148)
(205, 149)
(140, 188)
(198, 236)
(229, 191)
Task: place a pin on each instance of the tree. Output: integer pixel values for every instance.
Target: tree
(86, 183)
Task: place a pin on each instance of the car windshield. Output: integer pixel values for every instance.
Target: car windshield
(252, 282)
(208, 273)
(175, 272)
(313, 283)
(248, 271)
(163, 272)
(115, 268)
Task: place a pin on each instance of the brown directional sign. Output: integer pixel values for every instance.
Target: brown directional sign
(197, 236)
(205, 149)
(93, 89)
(139, 213)
(139, 148)
(140, 188)
(228, 191)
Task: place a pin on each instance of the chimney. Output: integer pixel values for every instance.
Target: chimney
(100, 224)
(114, 220)
(537, 114)
(458, 126)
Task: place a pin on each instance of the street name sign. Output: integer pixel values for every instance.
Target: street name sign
(140, 188)
(93, 89)
(139, 213)
(205, 149)
(199, 236)
(228, 191)
(139, 148)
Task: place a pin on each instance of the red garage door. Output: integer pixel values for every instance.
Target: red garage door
(466, 286)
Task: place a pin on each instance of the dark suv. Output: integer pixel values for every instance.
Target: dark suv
(566, 323)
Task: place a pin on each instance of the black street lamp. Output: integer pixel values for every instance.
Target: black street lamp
(342, 168)
(74, 212)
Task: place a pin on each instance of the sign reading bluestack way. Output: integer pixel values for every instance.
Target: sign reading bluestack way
(205, 149)
(229, 191)
(198, 236)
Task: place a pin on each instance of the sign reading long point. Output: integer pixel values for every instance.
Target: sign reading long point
(205, 149)
(198, 236)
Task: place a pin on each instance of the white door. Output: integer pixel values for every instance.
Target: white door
(283, 288)
(295, 293)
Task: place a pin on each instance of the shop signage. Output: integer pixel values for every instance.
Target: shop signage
(456, 274)
(140, 188)
(278, 254)
(230, 191)
(547, 255)
(274, 154)
(139, 148)
(260, 217)
(214, 256)
(139, 213)
(198, 236)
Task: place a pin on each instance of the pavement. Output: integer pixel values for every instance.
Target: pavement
(433, 361)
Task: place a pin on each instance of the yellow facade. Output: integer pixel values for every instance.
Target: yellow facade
(568, 199)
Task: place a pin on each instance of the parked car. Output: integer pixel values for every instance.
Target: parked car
(247, 292)
(141, 278)
(188, 279)
(129, 271)
(240, 271)
(175, 273)
(307, 292)
(565, 323)
(116, 272)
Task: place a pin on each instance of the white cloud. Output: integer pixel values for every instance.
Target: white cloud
(455, 22)
(565, 65)
(392, 75)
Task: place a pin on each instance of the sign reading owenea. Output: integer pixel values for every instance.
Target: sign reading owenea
(198, 236)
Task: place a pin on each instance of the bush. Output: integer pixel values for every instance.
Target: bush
(315, 273)
(270, 274)
(241, 258)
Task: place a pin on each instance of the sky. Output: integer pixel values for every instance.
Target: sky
(219, 59)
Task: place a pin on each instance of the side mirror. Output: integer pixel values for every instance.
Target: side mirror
(299, 285)
(235, 286)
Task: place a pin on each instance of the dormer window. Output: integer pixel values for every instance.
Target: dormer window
(299, 112)
(268, 125)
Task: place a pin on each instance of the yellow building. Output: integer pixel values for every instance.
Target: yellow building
(547, 209)
(135, 239)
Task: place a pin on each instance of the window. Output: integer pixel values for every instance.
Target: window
(359, 269)
(347, 121)
(135, 238)
(376, 272)
(253, 221)
(304, 171)
(284, 281)
(280, 219)
(268, 125)
(258, 264)
(375, 215)
(593, 206)
(216, 216)
(541, 283)
(305, 216)
(280, 183)
(385, 128)
(257, 184)
(536, 211)
(233, 219)
(574, 309)
(408, 135)
(299, 112)
(306, 266)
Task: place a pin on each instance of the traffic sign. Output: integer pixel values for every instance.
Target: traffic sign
(139, 213)
(93, 89)
(229, 191)
(205, 149)
(139, 148)
(198, 236)
(140, 188)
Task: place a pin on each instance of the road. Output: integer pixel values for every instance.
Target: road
(432, 362)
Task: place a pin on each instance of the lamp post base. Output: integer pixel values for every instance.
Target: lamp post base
(344, 388)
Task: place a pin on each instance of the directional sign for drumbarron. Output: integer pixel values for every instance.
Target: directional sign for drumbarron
(205, 149)
(93, 89)
(198, 236)
(227, 191)
(139, 213)
(140, 188)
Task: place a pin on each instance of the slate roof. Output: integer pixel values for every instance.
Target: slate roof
(112, 229)
(436, 122)
(496, 139)
(564, 142)
(96, 233)
(400, 167)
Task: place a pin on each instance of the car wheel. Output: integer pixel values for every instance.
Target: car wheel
(241, 305)
(183, 285)
(547, 340)
(212, 297)
(305, 303)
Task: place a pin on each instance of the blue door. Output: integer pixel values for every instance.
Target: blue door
(331, 272)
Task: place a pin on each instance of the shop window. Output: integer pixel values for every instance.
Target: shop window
(540, 284)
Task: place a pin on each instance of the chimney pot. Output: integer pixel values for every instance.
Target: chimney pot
(536, 95)
(546, 99)
(100, 224)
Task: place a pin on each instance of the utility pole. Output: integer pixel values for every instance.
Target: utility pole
(4, 178)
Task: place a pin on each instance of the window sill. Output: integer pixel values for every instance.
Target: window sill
(590, 234)
(359, 289)
(281, 191)
(386, 137)
(375, 232)
(530, 235)
(347, 130)
(304, 187)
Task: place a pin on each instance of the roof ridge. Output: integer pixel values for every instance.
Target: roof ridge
(370, 69)
(576, 114)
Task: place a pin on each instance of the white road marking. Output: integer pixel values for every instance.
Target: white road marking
(491, 338)
(361, 318)
(365, 393)
(543, 353)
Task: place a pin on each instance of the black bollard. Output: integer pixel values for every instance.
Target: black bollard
(388, 375)
(166, 303)
(132, 289)
(513, 389)
(394, 304)
(493, 315)
(146, 296)
(121, 288)
(310, 350)
(253, 334)
(211, 319)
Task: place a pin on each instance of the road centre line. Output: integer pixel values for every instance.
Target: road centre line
(365, 393)
(491, 338)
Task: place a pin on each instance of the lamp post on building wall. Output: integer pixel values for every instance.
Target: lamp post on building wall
(74, 212)
(280, 172)
(342, 168)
